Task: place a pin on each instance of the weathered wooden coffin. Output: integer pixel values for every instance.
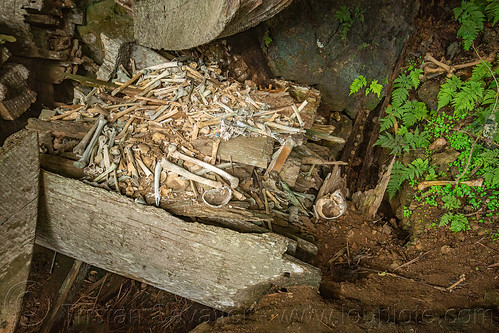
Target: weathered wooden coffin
(180, 24)
(214, 266)
(19, 170)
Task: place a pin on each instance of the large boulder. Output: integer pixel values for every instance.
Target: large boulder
(307, 43)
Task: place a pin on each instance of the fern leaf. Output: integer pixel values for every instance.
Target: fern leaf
(343, 14)
(447, 91)
(458, 223)
(471, 19)
(491, 176)
(395, 143)
(375, 87)
(489, 96)
(481, 71)
(416, 140)
(397, 177)
(492, 10)
(414, 76)
(402, 81)
(413, 112)
(387, 122)
(399, 95)
(357, 84)
(464, 101)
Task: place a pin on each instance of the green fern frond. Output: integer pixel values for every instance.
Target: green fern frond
(413, 112)
(471, 19)
(343, 14)
(416, 140)
(403, 81)
(395, 143)
(357, 84)
(447, 91)
(414, 76)
(387, 122)
(451, 202)
(492, 11)
(375, 87)
(397, 177)
(400, 173)
(481, 71)
(489, 96)
(458, 222)
(465, 100)
(399, 95)
(491, 176)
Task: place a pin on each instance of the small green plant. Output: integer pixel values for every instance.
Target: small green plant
(451, 202)
(407, 212)
(492, 11)
(466, 114)
(456, 222)
(346, 18)
(361, 82)
(472, 15)
(401, 173)
(267, 39)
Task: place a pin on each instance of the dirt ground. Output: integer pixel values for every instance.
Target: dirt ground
(376, 277)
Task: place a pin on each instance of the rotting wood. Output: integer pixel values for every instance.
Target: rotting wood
(368, 202)
(76, 130)
(19, 171)
(235, 216)
(214, 266)
(255, 151)
(116, 51)
(17, 96)
(66, 292)
(61, 166)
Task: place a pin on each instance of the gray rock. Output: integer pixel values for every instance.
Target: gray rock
(307, 47)
(452, 50)
(445, 158)
(428, 93)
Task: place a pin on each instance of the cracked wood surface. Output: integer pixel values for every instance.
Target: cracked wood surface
(19, 170)
(214, 266)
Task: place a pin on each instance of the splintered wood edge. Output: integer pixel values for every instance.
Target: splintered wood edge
(217, 267)
(19, 171)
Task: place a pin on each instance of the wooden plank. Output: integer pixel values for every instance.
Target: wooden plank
(214, 266)
(69, 288)
(61, 166)
(19, 170)
(255, 151)
(70, 129)
(15, 95)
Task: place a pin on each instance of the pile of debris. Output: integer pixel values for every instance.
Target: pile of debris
(183, 137)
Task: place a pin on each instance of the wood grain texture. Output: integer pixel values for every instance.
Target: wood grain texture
(70, 129)
(16, 96)
(255, 151)
(214, 266)
(178, 24)
(19, 170)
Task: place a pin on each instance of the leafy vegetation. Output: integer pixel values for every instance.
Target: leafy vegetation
(346, 19)
(456, 222)
(267, 39)
(472, 15)
(361, 82)
(466, 114)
